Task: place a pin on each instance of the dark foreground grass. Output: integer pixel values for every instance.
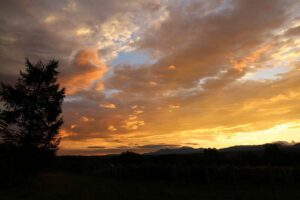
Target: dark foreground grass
(69, 186)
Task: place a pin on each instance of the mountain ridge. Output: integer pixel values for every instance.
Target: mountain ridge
(237, 148)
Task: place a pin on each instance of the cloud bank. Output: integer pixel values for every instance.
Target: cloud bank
(204, 81)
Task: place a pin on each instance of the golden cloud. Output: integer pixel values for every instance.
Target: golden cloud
(112, 128)
(108, 105)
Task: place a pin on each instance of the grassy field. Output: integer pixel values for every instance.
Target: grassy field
(64, 185)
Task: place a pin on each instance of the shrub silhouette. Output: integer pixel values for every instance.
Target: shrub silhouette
(130, 158)
(274, 155)
(211, 155)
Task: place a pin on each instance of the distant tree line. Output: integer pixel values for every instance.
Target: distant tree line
(272, 163)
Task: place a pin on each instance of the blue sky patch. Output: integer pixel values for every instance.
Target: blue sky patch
(131, 58)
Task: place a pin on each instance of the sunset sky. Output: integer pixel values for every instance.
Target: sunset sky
(145, 75)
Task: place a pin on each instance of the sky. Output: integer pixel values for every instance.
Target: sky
(146, 75)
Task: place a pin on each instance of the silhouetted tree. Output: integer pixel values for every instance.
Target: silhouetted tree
(129, 157)
(32, 109)
(273, 154)
(211, 155)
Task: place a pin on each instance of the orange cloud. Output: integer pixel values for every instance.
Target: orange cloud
(172, 67)
(108, 105)
(63, 133)
(86, 119)
(132, 124)
(88, 69)
(133, 121)
(249, 59)
(112, 128)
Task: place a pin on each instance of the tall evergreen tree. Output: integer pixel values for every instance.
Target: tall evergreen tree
(32, 109)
